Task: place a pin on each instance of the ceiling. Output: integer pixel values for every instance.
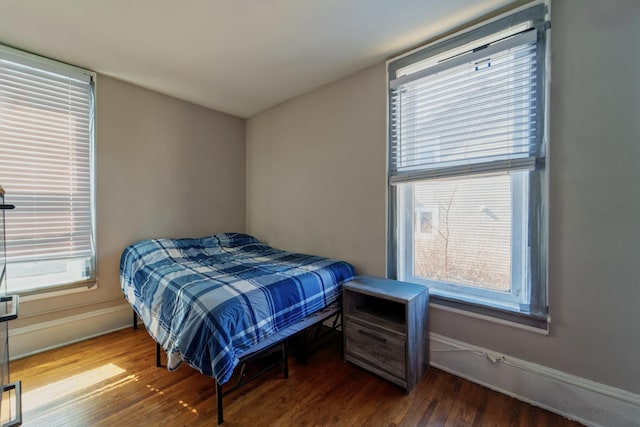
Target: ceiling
(236, 56)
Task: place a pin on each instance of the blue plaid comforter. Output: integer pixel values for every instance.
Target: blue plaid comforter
(209, 300)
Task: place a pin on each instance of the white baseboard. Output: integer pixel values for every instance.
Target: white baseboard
(582, 400)
(43, 336)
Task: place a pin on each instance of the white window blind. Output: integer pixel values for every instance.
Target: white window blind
(473, 113)
(46, 162)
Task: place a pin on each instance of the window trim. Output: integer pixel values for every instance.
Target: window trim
(537, 316)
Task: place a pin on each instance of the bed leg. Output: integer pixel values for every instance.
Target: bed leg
(135, 320)
(158, 364)
(219, 400)
(285, 357)
(341, 332)
(302, 357)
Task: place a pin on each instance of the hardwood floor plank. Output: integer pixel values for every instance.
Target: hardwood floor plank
(441, 411)
(466, 406)
(112, 381)
(428, 392)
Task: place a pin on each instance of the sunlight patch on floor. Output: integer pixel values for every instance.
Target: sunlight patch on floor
(32, 399)
(181, 403)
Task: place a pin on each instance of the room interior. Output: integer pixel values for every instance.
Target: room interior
(283, 136)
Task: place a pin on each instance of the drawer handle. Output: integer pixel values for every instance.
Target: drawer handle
(370, 335)
(17, 386)
(13, 314)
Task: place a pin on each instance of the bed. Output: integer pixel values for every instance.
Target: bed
(214, 301)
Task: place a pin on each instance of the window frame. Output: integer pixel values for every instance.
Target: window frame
(400, 242)
(499, 298)
(47, 65)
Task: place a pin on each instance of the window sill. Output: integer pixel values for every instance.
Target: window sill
(440, 304)
(58, 291)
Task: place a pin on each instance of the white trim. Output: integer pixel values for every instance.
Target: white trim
(580, 399)
(28, 340)
(53, 292)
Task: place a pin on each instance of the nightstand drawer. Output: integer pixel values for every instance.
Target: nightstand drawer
(380, 348)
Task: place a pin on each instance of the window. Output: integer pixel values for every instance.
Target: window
(467, 168)
(46, 169)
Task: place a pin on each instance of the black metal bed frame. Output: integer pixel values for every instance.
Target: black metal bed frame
(258, 351)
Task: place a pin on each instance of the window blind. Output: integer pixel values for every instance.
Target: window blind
(45, 157)
(473, 113)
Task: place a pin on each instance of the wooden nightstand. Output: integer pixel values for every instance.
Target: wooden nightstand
(386, 328)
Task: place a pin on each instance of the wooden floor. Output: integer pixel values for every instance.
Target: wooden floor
(112, 381)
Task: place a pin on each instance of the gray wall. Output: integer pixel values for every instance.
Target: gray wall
(316, 183)
(315, 172)
(165, 168)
